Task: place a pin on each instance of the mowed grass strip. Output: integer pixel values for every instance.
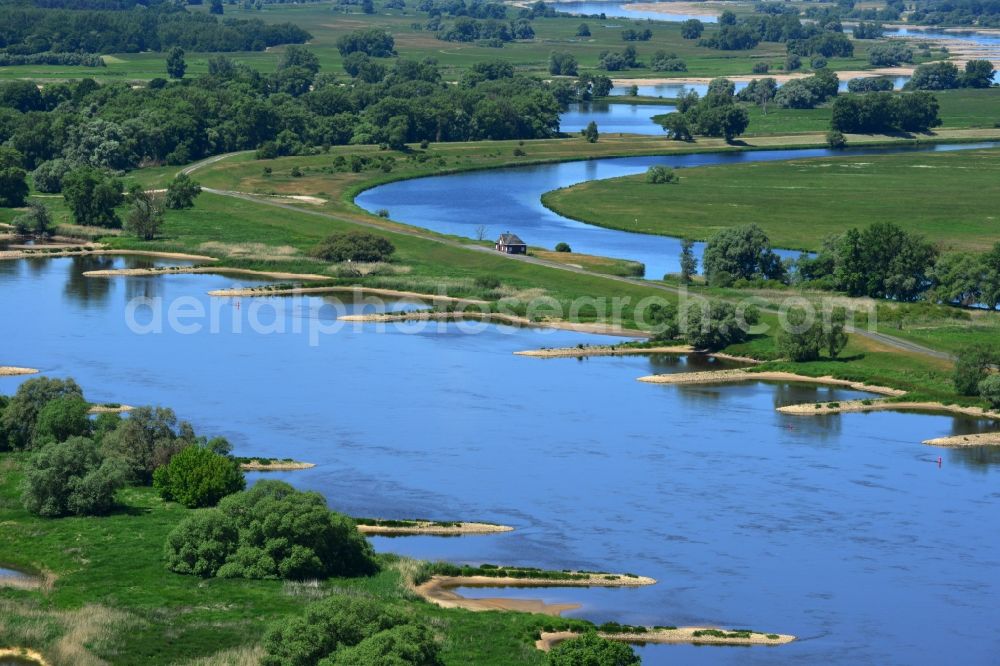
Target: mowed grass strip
(950, 197)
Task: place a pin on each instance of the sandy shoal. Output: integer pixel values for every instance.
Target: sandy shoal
(619, 350)
(23, 653)
(106, 409)
(439, 590)
(279, 466)
(100, 251)
(742, 375)
(859, 406)
(361, 291)
(495, 317)
(433, 529)
(221, 270)
(14, 371)
(665, 636)
(981, 439)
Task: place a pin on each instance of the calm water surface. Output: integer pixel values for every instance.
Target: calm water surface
(454, 204)
(613, 118)
(627, 10)
(841, 530)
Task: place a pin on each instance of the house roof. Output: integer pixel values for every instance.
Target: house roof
(510, 239)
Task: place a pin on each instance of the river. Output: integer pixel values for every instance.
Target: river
(842, 530)
(454, 204)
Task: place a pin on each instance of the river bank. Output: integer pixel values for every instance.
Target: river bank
(744, 375)
(665, 636)
(626, 350)
(429, 527)
(495, 317)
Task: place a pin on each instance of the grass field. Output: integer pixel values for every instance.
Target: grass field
(113, 597)
(949, 197)
(551, 34)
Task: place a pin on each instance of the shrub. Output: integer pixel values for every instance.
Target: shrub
(61, 419)
(182, 190)
(592, 650)
(37, 221)
(989, 388)
(659, 175)
(972, 367)
(197, 477)
(563, 247)
(409, 644)
(519, 152)
(22, 411)
(760, 68)
(147, 439)
(836, 139)
(354, 246)
(70, 478)
(271, 531)
(48, 176)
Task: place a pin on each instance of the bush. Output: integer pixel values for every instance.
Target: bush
(658, 175)
(21, 412)
(61, 419)
(761, 68)
(836, 139)
(406, 644)
(715, 326)
(37, 221)
(563, 247)
(146, 440)
(271, 531)
(592, 650)
(70, 478)
(972, 367)
(197, 477)
(181, 192)
(354, 246)
(989, 388)
(48, 176)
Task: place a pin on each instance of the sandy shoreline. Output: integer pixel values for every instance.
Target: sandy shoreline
(981, 439)
(439, 590)
(23, 653)
(742, 375)
(14, 371)
(495, 317)
(668, 636)
(99, 250)
(107, 409)
(435, 529)
(621, 350)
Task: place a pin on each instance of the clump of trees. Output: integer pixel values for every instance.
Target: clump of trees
(663, 61)
(692, 29)
(889, 54)
(871, 30)
(658, 175)
(13, 178)
(881, 112)
(181, 192)
(870, 84)
(343, 630)
(562, 64)
(36, 222)
(270, 531)
(92, 196)
(706, 326)
(372, 42)
(71, 478)
(614, 61)
(804, 336)
(741, 253)
(591, 649)
(946, 76)
(715, 114)
(198, 476)
(632, 35)
(808, 92)
(354, 246)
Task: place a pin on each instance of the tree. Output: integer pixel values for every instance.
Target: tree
(70, 478)
(372, 41)
(836, 332)
(92, 197)
(804, 335)
(836, 139)
(675, 124)
(36, 222)
(48, 176)
(583, 30)
(978, 74)
(563, 247)
(147, 439)
(991, 277)
(562, 64)
(989, 389)
(175, 63)
(692, 29)
(198, 477)
(590, 132)
(181, 192)
(592, 650)
(934, 76)
(958, 278)
(367, 6)
(13, 178)
(689, 262)
(354, 246)
(299, 56)
(715, 326)
(21, 413)
(406, 644)
(145, 214)
(270, 531)
(973, 366)
(62, 418)
(325, 626)
(741, 252)
(658, 175)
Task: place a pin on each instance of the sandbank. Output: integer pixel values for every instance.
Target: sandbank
(665, 636)
(860, 406)
(14, 371)
(275, 466)
(680, 8)
(496, 317)
(981, 439)
(743, 375)
(624, 350)
(108, 409)
(439, 590)
(100, 250)
(220, 270)
(435, 529)
(361, 291)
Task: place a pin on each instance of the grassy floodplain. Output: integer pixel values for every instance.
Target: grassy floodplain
(800, 202)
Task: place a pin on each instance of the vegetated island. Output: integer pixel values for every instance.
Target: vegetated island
(666, 635)
(262, 464)
(391, 527)
(110, 408)
(627, 348)
(752, 375)
(436, 583)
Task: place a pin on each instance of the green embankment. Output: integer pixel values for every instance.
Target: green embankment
(951, 197)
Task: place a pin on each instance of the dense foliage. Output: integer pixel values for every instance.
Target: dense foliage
(741, 252)
(354, 246)
(269, 531)
(983, 13)
(804, 335)
(19, 419)
(70, 478)
(881, 112)
(25, 31)
(350, 630)
(715, 114)
(197, 476)
(589, 649)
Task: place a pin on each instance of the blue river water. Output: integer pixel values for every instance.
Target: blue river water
(454, 204)
(613, 118)
(842, 530)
